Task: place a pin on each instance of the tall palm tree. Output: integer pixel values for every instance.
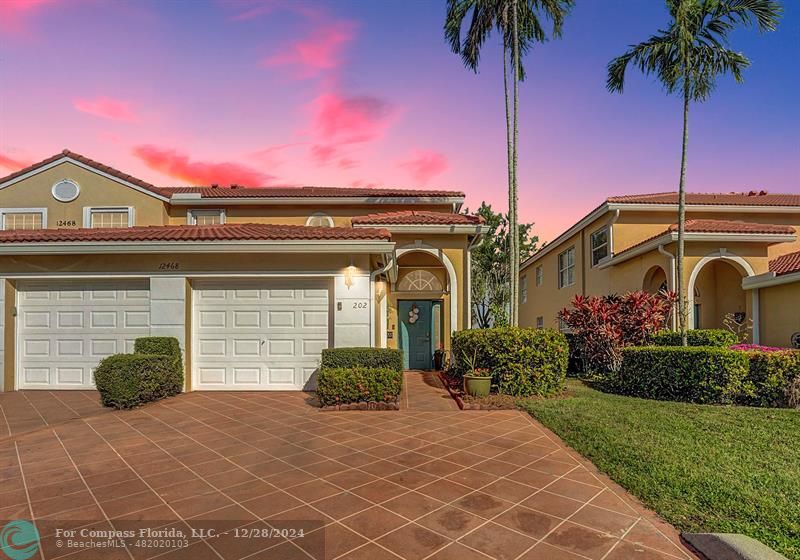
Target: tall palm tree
(687, 58)
(519, 22)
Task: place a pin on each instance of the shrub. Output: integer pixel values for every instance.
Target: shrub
(157, 345)
(696, 374)
(697, 337)
(362, 358)
(602, 326)
(523, 362)
(770, 377)
(129, 380)
(344, 385)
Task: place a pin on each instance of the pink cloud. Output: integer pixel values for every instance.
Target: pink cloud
(347, 163)
(320, 51)
(323, 154)
(350, 120)
(270, 154)
(15, 14)
(12, 163)
(252, 9)
(106, 108)
(425, 164)
(175, 164)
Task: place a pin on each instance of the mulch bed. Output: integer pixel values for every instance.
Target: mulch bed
(466, 402)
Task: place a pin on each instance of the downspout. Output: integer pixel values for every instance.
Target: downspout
(672, 279)
(474, 244)
(382, 313)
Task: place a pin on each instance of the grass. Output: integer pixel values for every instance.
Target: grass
(703, 468)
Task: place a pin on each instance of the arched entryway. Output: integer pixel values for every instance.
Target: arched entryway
(715, 291)
(655, 280)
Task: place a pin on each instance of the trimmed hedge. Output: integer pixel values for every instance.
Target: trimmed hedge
(769, 378)
(358, 384)
(704, 375)
(362, 358)
(696, 337)
(130, 380)
(168, 345)
(523, 362)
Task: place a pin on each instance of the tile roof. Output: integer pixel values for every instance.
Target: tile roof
(785, 264)
(238, 191)
(92, 163)
(414, 217)
(720, 226)
(751, 198)
(218, 232)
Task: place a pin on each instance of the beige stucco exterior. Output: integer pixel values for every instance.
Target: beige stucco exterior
(715, 267)
(441, 253)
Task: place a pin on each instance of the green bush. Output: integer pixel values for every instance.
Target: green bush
(345, 385)
(697, 374)
(362, 358)
(129, 380)
(697, 337)
(157, 345)
(769, 378)
(523, 362)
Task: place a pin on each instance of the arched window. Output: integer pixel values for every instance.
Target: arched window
(319, 219)
(419, 281)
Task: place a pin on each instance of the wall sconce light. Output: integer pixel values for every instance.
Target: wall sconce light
(348, 274)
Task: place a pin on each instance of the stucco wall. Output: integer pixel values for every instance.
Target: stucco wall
(780, 314)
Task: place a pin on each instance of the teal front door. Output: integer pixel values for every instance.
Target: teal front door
(416, 330)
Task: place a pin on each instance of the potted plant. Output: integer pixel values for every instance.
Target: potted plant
(477, 381)
(438, 359)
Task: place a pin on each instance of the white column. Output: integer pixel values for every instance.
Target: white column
(168, 308)
(756, 317)
(352, 310)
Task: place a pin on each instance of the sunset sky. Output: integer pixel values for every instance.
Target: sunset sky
(358, 93)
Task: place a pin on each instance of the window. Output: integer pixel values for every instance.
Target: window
(539, 322)
(599, 242)
(698, 310)
(523, 289)
(566, 268)
(539, 276)
(419, 281)
(319, 219)
(562, 325)
(108, 217)
(205, 217)
(24, 218)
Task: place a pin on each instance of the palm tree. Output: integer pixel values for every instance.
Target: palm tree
(519, 24)
(687, 58)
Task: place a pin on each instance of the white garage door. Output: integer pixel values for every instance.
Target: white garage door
(259, 335)
(66, 327)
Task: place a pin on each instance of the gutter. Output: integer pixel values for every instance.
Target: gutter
(195, 199)
(769, 279)
(389, 266)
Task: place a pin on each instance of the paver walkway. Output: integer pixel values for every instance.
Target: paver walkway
(26, 411)
(361, 485)
(423, 390)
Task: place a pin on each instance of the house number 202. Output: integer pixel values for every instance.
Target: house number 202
(360, 305)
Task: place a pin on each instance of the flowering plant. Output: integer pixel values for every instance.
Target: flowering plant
(758, 348)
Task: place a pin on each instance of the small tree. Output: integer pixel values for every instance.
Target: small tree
(491, 271)
(602, 326)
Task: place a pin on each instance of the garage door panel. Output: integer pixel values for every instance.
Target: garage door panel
(67, 327)
(271, 336)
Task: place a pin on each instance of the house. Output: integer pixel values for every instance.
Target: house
(742, 257)
(254, 282)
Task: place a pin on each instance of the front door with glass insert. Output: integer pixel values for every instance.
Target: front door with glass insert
(417, 333)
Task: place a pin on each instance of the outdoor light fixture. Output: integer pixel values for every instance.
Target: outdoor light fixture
(348, 274)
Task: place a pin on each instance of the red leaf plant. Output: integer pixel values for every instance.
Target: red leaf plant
(602, 326)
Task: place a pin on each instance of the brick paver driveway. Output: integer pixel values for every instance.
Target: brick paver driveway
(411, 485)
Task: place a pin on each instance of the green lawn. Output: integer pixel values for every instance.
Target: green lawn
(701, 467)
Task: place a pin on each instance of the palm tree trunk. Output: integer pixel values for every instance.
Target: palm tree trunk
(509, 146)
(512, 208)
(683, 304)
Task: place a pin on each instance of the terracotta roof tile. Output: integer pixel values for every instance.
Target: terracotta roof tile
(785, 264)
(92, 163)
(752, 198)
(418, 217)
(720, 226)
(219, 232)
(238, 191)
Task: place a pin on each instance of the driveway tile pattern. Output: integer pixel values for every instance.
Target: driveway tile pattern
(412, 484)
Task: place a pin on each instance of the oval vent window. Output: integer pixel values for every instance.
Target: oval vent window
(66, 190)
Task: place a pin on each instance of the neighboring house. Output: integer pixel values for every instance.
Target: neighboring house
(742, 257)
(254, 282)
